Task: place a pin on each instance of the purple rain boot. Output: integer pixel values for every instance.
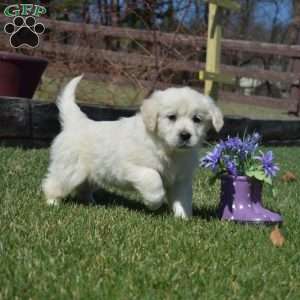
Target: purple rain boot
(256, 192)
(237, 203)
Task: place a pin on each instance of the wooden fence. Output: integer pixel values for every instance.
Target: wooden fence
(151, 59)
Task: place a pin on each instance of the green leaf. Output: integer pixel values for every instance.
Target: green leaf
(249, 173)
(258, 174)
(268, 180)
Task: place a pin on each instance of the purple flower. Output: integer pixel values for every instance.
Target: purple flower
(255, 138)
(212, 159)
(230, 167)
(235, 156)
(242, 148)
(233, 144)
(269, 167)
(250, 143)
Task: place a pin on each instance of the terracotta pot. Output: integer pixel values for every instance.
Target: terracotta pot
(20, 74)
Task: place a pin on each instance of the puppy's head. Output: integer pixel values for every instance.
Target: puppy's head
(180, 117)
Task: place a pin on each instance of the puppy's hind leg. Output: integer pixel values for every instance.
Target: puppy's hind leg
(61, 181)
(53, 190)
(149, 183)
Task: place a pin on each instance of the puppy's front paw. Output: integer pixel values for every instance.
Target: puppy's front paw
(181, 212)
(181, 215)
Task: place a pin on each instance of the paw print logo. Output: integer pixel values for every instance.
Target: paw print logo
(24, 32)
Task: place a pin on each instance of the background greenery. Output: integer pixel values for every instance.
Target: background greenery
(106, 93)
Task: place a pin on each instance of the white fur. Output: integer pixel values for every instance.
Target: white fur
(145, 151)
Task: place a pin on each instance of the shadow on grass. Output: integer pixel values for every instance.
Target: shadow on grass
(109, 199)
(104, 198)
(205, 213)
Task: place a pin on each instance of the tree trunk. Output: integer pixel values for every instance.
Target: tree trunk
(100, 11)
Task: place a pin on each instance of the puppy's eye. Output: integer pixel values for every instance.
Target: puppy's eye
(172, 118)
(196, 119)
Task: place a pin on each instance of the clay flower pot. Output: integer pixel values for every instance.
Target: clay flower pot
(241, 201)
(20, 74)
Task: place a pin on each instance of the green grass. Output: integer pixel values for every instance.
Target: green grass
(119, 250)
(110, 93)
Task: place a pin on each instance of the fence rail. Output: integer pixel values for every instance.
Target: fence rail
(292, 51)
(152, 60)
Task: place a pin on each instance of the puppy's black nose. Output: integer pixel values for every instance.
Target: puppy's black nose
(185, 136)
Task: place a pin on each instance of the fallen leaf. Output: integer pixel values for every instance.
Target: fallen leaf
(276, 237)
(289, 176)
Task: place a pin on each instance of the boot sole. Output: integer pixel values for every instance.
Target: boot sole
(265, 223)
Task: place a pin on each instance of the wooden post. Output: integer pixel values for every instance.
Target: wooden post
(294, 108)
(212, 75)
(213, 51)
(295, 63)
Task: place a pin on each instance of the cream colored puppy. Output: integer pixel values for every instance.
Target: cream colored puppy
(155, 151)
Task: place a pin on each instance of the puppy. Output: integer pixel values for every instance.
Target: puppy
(154, 152)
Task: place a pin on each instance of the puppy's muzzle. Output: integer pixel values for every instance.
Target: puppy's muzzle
(185, 136)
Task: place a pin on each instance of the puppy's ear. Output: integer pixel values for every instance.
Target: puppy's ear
(149, 110)
(217, 117)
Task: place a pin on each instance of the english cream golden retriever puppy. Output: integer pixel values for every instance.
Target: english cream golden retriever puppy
(154, 152)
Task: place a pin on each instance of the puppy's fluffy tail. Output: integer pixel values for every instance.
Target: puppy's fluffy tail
(69, 111)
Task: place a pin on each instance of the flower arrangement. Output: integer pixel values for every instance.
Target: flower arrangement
(243, 169)
(241, 157)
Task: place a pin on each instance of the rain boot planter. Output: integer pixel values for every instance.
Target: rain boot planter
(242, 173)
(240, 201)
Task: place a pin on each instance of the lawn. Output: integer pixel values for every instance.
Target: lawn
(119, 250)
